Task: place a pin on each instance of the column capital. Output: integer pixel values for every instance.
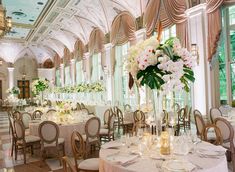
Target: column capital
(86, 55)
(195, 10)
(61, 65)
(108, 46)
(72, 61)
(10, 69)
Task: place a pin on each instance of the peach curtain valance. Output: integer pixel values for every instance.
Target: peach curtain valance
(214, 24)
(169, 12)
(57, 60)
(96, 41)
(151, 16)
(79, 49)
(175, 10)
(96, 44)
(66, 56)
(123, 29)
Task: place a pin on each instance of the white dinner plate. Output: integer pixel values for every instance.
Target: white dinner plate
(178, 166)
(209, 152)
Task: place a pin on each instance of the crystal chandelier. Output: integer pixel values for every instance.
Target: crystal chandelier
(5, 22)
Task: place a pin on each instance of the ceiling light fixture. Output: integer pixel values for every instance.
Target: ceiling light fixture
(5, 21)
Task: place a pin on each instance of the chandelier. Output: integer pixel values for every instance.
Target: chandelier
(5, 21)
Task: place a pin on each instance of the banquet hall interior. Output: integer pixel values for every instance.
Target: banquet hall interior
(117, 85)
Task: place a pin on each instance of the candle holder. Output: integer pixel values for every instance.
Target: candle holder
(165, 143)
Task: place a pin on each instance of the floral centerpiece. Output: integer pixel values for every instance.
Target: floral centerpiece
(64, 110)
(166, 67)
(13, 90)
(12, 100)
(163, 67)
(97, 87)
(39, 85)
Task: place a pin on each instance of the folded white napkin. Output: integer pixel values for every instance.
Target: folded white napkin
(110, 145)
(210, 147)
(121, 158)
(178, 165)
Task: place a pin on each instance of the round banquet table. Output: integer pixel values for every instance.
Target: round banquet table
(66, 131)
(146, 163)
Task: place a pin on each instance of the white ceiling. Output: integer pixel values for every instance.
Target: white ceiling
(59, 23)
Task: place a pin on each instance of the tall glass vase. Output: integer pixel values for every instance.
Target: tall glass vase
(157, 108)
(41, 97)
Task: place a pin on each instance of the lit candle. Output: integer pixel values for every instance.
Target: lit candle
(165, 143)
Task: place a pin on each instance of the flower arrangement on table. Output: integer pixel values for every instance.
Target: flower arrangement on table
(12, 100)
(166, 67)
(39, 85)
(64, 110)
(81, 88)
(13, 90)
(97, 87)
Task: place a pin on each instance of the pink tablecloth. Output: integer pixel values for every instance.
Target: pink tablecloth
(65, 132)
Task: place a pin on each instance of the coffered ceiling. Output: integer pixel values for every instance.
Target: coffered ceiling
(42, 28)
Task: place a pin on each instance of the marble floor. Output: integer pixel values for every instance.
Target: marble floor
(9, 164)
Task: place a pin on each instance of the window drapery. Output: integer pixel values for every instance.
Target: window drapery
(169, 12)
(96, 44)
(123, 29)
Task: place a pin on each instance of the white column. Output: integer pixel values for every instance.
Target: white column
(203, 91)
(110, 78)
(72, 67)
(140, 35)
(88, 67)
(11, 76)
(62, 74)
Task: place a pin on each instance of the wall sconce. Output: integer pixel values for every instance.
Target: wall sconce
(106, 70)
(194, 51)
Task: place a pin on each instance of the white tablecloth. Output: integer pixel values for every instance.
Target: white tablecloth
(66, 131)
(149, 165)
(98, 110)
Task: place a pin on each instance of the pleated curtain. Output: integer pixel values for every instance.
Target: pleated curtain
(122, 30)
(169, 12)
(96, 45)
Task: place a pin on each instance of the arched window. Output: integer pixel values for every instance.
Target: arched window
(78, 53)
(96, 47)
(122, 35)
(67, 70)
(57, 71)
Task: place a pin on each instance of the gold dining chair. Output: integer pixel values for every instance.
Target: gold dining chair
(91, 136)
(215, 113)
(37, 114)
(22, 141)
(50, 140)
(108, 134)
(200, 124)
(80, 153)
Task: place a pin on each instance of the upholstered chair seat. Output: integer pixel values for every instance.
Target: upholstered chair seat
(91, 164)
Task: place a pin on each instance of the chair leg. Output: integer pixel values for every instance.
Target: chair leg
(58, 156)
(16, 147)
(233, 161)
(24, 152)
(42, 157)
(63, 149)
(12, 146)
(31, 147)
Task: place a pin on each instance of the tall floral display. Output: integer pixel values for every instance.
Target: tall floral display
(13, 91)
(39, 86)
(163, 67)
